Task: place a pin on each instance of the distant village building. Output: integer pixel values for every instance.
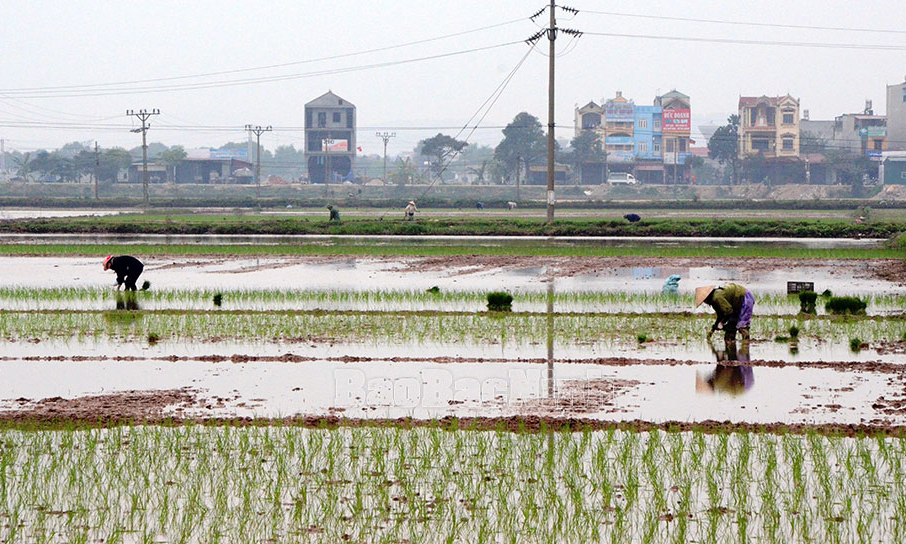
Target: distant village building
(651, 142)
(330, 144)
(677, 132)
(769, 126)
(896, 116)
(863, 134)
(202, 165)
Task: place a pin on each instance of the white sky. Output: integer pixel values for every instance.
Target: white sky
(51, 44)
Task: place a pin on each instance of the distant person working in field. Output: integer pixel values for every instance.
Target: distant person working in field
(733, 305)
(334, 213)
(127, 269)
(410, 210)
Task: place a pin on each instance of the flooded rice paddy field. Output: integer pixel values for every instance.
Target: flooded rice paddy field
(334, 399)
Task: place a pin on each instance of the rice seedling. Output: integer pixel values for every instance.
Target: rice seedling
(284, 483)
(845, 305)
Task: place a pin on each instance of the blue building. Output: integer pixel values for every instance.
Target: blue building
(638, 139)
(649, 164)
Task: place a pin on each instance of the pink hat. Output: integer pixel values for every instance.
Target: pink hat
(107, 260)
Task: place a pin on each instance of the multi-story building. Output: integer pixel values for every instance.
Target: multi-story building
(330, 146)
(590, 117)
(896, 116)
(649, 160)
(619, 127)
(863, 134)
(676, 133)
(636, 137)
(769, 126)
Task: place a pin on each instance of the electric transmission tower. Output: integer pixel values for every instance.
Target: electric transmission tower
(386, 137)
(143, 116)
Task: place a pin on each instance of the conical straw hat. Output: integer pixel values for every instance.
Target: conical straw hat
(701, 293)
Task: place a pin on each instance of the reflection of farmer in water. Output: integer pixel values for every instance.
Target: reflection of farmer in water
(733, 305)
(127, 269)
(733, 380)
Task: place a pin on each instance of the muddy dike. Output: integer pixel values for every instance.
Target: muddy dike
(424, 224)
(146, 408)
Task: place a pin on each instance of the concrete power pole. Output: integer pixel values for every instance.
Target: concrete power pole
(551, 37)
(258, 130)
(386, 137)
(97, 169)
(551, 32)
(2, 158)
(143, 116)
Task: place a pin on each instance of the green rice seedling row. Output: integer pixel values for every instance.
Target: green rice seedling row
(395, 484)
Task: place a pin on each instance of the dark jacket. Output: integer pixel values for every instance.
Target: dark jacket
(727, 301)
(126, 265)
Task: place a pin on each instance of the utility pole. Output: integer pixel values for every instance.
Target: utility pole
(258, 130)
(97, 169)
(328, 176)
(551, 37)
(2, 158)
(143, 116)
(551, 33)
(386, 137)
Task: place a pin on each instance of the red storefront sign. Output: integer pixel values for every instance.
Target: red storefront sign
(677, 121)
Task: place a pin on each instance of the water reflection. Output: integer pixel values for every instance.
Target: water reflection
(127, 301)
(727, 379)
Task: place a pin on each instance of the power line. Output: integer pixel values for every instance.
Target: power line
(245, 81)
(744, 23)
(822, 45)
(269, 66)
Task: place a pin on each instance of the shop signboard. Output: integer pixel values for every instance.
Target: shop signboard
(676, 121)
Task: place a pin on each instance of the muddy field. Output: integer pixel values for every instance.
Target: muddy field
(375, 399)
(358, 338)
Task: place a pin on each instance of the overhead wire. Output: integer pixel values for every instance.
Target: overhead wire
(251, 81)
(822, 45)
(495, 95)
(265, 67)
(743, 23)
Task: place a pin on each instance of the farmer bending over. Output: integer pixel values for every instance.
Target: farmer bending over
(410, 210)
(733, 305)
(127, 269)
(334, 213)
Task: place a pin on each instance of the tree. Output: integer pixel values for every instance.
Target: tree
(23, 165)
(586, 148)
(439, 148)
(724, 146)
(113, 160)
(405, 172)
(479, 172)
(523, 143)
(171, 157)
(287, 161)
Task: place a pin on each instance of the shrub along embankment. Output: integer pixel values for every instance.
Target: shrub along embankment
(426, 225)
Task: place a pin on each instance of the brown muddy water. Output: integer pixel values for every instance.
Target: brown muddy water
(753, 393)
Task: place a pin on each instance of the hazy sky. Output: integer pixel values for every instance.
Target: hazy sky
(77, 43)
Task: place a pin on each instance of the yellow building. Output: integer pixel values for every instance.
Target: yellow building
(769, 126)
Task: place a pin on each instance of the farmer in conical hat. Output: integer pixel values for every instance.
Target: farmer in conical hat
(733, 305)
(127, 269)
(410, 210)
